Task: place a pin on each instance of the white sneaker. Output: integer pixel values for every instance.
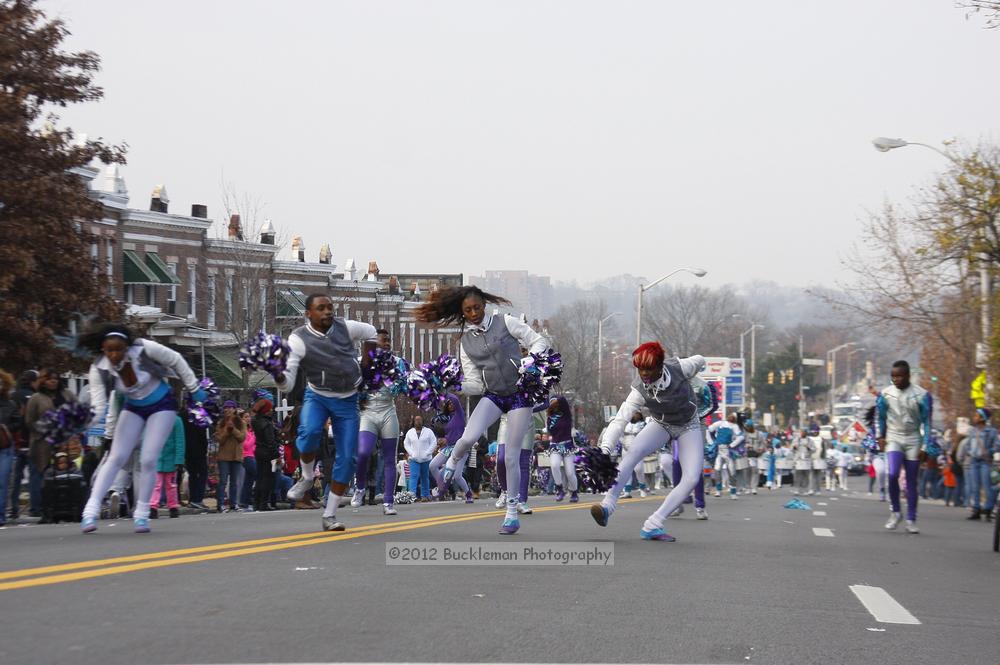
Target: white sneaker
(523, 509)
(911, 527)
(699, 513)
(893, 521)
(810, 493)
(358, 498)
(678, 511)
(716, 493)
(388, 509)
(299, 489)
(501, 500)
(733, 497)
(643, 493)
(753, 491)
(626, 495)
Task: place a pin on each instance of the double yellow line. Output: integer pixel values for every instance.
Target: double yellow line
(82, 570)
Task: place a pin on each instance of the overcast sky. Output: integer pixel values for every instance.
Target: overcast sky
(574, 139)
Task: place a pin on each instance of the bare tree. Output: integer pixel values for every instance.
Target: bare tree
(694, 319)
(573, 330)
(248, 293)
(989, 9)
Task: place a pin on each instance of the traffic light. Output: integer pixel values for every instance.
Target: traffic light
(791, 375)
(770, 378)
(782, 373)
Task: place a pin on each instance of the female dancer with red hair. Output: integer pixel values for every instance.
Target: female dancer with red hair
(664, 388)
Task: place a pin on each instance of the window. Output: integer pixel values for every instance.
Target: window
(263, 306)
(109, 266)
(151, 295)
(192, 290)
(130, 294)
(229, 300)
(211, 301)
(95, 257)
(172, 290)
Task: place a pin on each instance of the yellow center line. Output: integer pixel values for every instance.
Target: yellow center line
(211, 552)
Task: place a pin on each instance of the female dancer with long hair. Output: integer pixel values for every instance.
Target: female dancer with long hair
(663, 387)
(491, 360)
(138, 369)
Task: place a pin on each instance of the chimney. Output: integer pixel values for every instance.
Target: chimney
(235, 228)
(267, 233)
(199, 210)
(325, 255)
(160, 200)
(350, 271)
(393, 285)
(372, 275)
(298, 249)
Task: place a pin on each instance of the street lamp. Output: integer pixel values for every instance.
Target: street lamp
(697, 272)
(831, 359)
(850, 367)
(754, 327)
(600, 351)
(883, 144)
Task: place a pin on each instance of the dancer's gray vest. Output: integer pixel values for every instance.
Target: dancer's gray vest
(497, 354)
(675, 405)
(331, 361)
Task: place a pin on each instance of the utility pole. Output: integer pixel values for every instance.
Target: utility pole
(802, 395)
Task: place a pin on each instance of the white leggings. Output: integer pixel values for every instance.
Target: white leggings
(438, 463)
(518, 421)
(563, 465)
(128, 434)
(691, 455)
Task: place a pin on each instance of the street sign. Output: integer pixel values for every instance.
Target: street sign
(812, 362)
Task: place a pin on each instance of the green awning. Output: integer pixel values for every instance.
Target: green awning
(224, 367)
(135, 271)
(160, 269)
(289, 305)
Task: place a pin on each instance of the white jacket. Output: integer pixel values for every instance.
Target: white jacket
(171, 362)
(420, 447)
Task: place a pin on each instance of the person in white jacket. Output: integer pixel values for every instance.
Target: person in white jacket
(138, 369)
(664, 388)
(490, 351)
(420, 444)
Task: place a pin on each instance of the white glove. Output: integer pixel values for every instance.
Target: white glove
(606, 450)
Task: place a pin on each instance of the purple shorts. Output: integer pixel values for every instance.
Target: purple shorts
(168, 403)
(508, 403)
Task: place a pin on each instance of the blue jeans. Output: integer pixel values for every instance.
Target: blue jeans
(6, 464)
(977, 480)
(282, 484)
(343, 414)
(420, 471)
(249, 478)
(229, 474)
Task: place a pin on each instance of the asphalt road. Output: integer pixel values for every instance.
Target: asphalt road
(753, 584)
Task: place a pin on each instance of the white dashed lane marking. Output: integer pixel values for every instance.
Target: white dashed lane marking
(819, 513)
(822, 532)
(882, 606)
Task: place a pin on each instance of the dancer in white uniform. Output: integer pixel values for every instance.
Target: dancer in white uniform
(138, 368)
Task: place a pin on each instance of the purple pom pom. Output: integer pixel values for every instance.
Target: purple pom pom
(203, 414)
(386, 371)
(538, 373)
(267, 352)
(596, 469)
(428, 385)
(69, 420)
